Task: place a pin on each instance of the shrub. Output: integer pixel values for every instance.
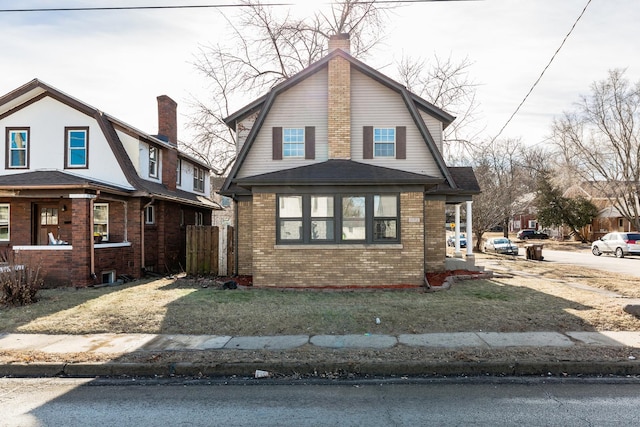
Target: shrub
(19, 283)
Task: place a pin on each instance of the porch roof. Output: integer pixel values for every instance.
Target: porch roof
(338, 172)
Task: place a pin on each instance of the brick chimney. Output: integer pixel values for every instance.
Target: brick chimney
(168, 131)
(339, 114)
(167, 119)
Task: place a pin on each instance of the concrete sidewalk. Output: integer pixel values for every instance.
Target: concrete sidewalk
(117, 344)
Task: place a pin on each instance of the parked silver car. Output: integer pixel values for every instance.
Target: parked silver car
(501, 245)
(620, 244)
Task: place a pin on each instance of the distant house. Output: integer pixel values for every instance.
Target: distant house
(340, 179)
(609, 218)
(90, 197)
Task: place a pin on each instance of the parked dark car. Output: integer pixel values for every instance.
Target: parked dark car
(531, 234)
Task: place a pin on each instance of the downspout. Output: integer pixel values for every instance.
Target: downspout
(235, 237)
(144, 208)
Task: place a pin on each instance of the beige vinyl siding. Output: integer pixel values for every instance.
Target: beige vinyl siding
(243, 128)
(304, 104)
(435, 128)
(373, 104)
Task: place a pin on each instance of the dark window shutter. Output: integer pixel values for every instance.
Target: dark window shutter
(367, 142)
(310, 142)
(277, 143)
(401, 142)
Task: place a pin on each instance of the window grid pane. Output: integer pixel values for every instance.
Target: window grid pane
(384, 142)
(77, 148)
(293, 142)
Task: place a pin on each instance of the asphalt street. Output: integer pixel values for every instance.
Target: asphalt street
(629, 265)
(507, 402)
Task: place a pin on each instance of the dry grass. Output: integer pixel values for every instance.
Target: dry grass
(525, 296)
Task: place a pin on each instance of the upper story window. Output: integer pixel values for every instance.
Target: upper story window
(76, 147)
(384, 142)
(179, 172)
(153, 162)
(101, 220)
(17, 148)
(349, 219)
(4, 221)
(198, 179)
(293, 142)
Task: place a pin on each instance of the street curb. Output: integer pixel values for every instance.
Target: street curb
(337, 370)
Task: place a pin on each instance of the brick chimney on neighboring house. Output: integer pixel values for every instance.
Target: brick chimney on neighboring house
(168, 131)
(339, 114)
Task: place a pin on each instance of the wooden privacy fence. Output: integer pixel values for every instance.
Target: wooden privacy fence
(203, 250)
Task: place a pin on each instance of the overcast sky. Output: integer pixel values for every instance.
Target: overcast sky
(119, 61)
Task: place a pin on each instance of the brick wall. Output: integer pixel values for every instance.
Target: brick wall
(244, 232)
(435, 246)
(355, 265)
(339, 114)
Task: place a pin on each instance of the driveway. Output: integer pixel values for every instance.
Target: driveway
(629, 265)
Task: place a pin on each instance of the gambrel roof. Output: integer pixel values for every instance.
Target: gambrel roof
(413, 103)
(36, 90)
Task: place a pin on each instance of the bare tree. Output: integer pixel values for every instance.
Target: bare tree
(600, 139)
(264, 50)
(446, 84)
(503, 180)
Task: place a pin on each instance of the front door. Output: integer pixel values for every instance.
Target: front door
(47, 223)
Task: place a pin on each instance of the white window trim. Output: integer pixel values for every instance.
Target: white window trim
(27, 144)
(395, 137)
(107, 223)
(304, 142)
(153, 172)
(69, 149)
(150, 211)
(8, 223)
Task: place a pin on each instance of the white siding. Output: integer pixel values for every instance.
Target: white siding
(435, 128)
(305, 104)
(373, 104)
(131, 146)
(47, 119)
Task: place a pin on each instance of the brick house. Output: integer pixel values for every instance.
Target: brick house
(609, 218)
(340, 179)
(90, 197)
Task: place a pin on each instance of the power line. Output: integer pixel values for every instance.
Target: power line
(543, 71)
(193, 6)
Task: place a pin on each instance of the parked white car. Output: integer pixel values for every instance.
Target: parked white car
(501, 245)
(619, 244)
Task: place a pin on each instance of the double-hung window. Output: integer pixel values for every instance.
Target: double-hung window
(150, 215)
(101, 220)
(293, 142)
(153, 162)
(18, 148)
(198, 179)
(4, 222)
(384, 142)
(76, 147)
(338, 219)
